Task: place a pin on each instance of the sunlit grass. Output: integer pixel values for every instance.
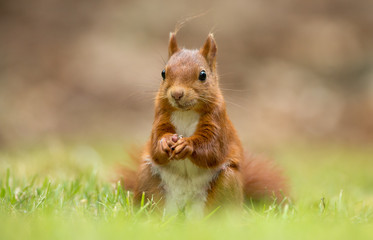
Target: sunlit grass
(59, 191)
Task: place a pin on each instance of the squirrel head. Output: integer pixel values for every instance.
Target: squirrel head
(190, 79)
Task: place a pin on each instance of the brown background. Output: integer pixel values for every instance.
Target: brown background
(291, 70)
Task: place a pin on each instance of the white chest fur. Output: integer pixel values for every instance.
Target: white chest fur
(186, 185)
(185, 122)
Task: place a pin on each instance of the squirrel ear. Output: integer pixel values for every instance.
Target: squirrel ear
(172, 44)
(209, 50)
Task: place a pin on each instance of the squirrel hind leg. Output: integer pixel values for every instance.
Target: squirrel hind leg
(262, 180)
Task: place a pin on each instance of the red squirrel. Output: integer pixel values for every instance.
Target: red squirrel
(194, 160)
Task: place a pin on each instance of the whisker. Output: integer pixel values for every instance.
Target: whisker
(235, 90)
(164, 61)
(159, 56)
(237, 105)
(206, 100)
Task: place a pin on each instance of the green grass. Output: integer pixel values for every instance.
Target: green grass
(59, 191)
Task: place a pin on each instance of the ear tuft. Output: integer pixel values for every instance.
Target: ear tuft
(209, 50)
(172, 44)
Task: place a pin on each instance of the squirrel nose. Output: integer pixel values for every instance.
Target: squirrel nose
(177, 94)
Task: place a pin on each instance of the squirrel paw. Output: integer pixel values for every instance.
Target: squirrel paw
(165, 144)
(181, 149)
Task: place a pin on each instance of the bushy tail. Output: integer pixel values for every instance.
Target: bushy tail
(127, 178)
(127, 175)
(262, 180)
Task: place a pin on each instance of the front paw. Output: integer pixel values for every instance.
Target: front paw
(166, 143)
(181, 149)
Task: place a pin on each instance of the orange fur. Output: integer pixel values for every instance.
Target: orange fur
(262, 180)
(128, 174)
(214, 145)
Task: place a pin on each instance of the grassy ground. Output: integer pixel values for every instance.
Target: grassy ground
(59, 191)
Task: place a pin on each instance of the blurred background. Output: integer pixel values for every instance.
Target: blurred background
(291, 70)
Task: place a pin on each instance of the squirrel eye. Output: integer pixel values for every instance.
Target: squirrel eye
(163, 74)
(202, 75)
